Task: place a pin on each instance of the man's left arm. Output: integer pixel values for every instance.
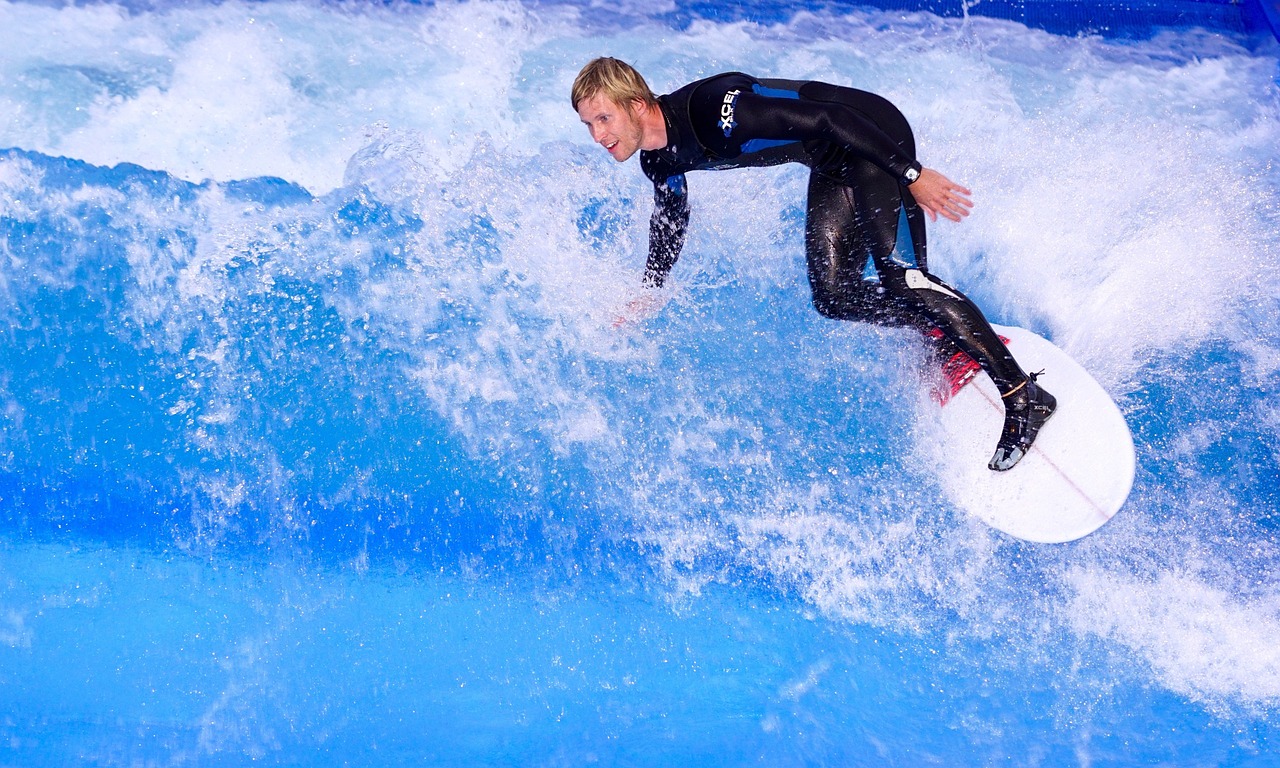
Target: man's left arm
(763, 117)
(796, 119)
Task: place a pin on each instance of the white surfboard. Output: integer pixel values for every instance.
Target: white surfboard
(1076, 476)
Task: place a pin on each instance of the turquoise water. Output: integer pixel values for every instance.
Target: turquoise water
(318, 446)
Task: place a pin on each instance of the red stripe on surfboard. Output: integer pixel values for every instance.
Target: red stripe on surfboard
(956, 372)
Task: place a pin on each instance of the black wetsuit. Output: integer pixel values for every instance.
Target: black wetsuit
(864, 232)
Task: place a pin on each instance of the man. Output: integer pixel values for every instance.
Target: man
(864, 228)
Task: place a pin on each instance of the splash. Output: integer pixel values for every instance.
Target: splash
(335, 286)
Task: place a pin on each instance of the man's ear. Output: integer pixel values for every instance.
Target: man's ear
(638, 106)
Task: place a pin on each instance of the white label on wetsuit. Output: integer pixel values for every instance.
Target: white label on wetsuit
(726, 112)
(916, 280)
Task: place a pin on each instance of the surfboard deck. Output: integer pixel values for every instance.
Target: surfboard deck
(1076, 476)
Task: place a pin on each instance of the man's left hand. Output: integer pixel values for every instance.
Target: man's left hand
(940, 196)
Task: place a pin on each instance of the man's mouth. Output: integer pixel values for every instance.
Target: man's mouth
(611, 145)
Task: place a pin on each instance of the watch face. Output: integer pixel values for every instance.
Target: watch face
(911, 175)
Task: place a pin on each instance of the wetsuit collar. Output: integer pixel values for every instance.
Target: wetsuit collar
(673, 136)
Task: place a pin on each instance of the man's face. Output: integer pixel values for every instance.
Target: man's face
(612, 126)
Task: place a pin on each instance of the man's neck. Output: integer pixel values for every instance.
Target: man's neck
(653, 125)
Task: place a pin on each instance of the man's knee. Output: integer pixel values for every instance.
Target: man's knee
(831, 310)
(919, 280)
(911, 284)
(869, 304)
(840, 305)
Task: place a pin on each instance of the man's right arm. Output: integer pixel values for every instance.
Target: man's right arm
(666, 229)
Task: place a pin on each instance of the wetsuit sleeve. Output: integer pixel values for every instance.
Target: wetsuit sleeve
(762, 118)
(666, 229)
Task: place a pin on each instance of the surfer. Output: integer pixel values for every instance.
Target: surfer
(867, 199)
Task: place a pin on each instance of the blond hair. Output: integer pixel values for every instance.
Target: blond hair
(616, 80)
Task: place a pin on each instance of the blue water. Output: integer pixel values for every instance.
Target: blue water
(318, 445)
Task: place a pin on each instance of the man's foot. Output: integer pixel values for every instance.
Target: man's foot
(1025, 411)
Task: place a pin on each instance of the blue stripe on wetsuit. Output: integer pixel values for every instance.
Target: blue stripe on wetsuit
(774, 93)
(904, 251)
(755, 145)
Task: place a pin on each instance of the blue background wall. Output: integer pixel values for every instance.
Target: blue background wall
(1259, 19)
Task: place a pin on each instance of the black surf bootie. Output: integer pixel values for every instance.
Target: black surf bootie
(1025, 411)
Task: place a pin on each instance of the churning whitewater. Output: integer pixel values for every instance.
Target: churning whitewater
(311, 401)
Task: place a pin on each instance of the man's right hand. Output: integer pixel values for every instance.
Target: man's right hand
(641, 308)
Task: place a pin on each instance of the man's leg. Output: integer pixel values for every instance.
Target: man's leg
(845, 284)
(866, 259)
(892, 286)
(1027, 405)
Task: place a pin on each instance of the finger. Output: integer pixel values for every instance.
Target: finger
(951, 212)
(957, 205)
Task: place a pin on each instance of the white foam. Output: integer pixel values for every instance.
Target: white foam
(1205, 642)
(1121, 198)
(238, 90)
